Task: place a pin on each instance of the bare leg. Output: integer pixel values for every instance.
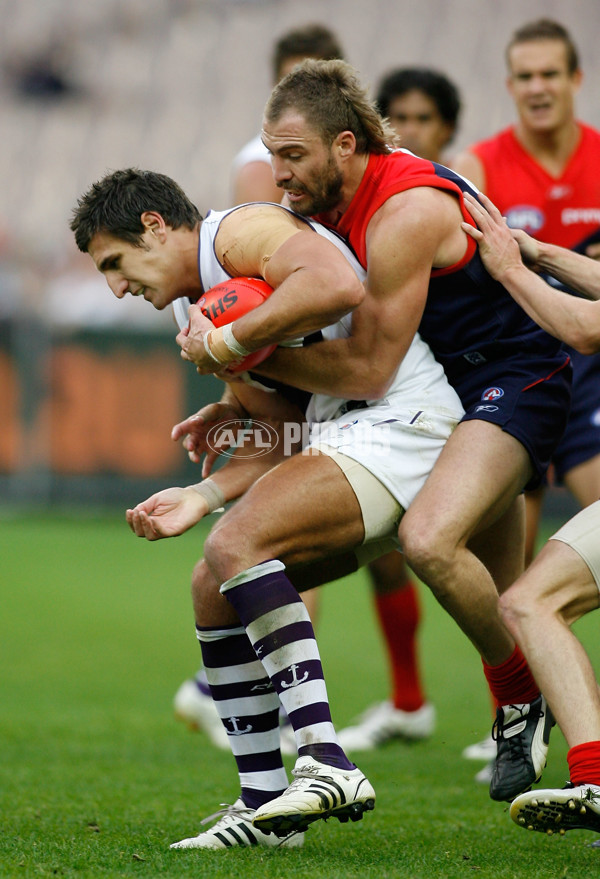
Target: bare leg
(539, 609)
(473, 484)
(501, 546)
(533, 505)
(583, 481)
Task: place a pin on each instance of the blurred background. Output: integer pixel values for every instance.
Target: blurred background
(90, 387)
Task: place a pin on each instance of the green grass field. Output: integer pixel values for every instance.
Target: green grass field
(96, 777)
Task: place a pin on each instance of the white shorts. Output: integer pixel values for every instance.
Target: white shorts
(399, 447)
(582, 533)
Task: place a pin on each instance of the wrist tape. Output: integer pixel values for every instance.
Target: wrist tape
(211, 493)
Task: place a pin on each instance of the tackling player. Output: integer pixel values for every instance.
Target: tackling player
(463, 535)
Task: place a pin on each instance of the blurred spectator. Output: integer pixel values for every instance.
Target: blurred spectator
(44, 72)
(423, 107)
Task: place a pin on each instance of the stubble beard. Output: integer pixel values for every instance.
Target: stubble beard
(326, 196)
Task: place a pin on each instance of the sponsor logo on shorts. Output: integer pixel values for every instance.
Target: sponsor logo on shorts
(492, 394)
(486, 408)
(475, 357)
(595, 418)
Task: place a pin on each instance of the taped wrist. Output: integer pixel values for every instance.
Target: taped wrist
(222, 345)
(232, 343)
(216, 348)
(211, 493)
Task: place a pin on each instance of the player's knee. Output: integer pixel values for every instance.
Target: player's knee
(517, 609)
(221, 552)
(427, 549)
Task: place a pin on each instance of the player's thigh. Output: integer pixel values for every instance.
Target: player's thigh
(501, 546)
(301, 510)
(479, 473)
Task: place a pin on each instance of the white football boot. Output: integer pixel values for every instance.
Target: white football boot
(319, 791)
(383, 722)
(574, 807)
(234, 828)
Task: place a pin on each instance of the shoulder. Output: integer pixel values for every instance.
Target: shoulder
(261, 214)
(250, 234)
(253, 151)
(422, 212)
(475, 161)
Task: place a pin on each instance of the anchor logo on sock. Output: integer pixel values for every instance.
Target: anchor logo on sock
(295, 681)
(236, 730)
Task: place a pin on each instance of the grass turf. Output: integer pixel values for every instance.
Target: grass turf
(96, 778)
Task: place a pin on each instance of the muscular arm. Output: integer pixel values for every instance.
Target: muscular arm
(410, 233)
(314, 283)
(575, 321)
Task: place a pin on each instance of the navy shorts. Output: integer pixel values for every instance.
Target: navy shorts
(581, 439)
(529, 397)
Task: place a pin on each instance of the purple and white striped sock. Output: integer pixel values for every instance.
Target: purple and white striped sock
(249, 709)
(279, 627)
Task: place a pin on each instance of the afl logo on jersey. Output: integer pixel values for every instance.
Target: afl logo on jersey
(526, 217)
(492, 394)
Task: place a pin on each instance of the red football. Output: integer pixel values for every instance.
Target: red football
(232, 299)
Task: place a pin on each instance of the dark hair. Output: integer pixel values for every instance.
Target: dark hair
(115, 205)
(331, 98)
(436, 86)
(311, 41)
(545, 29)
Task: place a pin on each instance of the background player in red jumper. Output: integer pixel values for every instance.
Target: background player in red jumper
(542, 174)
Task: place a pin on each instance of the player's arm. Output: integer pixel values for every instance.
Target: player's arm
(314, 284)
(173, 511)
(574, 320)
(579, 272)
(405, 239)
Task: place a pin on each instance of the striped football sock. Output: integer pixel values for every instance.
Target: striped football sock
(280, 630)
(249, 709)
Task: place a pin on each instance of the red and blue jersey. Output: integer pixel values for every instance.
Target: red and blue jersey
(469, 318)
